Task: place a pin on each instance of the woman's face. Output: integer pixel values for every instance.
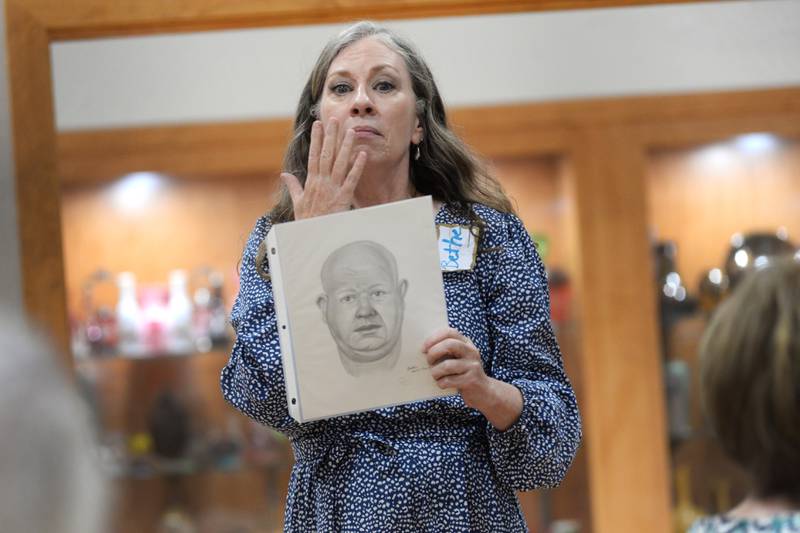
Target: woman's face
(368, 88)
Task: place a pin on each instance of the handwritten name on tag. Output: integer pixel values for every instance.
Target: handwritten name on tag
(457, 247)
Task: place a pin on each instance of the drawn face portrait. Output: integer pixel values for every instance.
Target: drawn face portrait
(363, 301)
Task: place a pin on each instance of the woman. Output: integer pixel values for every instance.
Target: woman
(371, 128)
(750, 372)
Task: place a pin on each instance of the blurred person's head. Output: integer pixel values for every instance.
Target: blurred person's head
(51, 481)
(751, 378)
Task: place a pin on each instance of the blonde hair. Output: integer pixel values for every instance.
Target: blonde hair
(750, 373)
(446, 168)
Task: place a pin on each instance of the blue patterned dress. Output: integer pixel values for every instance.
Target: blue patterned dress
(435, 465)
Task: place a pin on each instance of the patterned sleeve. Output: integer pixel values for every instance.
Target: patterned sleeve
(253, 381)
(538, 448)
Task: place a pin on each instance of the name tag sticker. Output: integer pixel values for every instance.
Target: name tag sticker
(457, 247)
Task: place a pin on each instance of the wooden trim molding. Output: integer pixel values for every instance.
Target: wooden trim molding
(98, 18)
(200, 151)
(254, 148)
(37, 183)
(621, 358)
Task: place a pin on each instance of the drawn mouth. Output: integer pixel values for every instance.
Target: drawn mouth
(368, 328)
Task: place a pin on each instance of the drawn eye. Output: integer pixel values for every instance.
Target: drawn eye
(347, 298)
(378, 293)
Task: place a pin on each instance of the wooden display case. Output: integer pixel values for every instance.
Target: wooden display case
(195, 220)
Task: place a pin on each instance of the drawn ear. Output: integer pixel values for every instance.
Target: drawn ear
(403, 286)
(322, 303)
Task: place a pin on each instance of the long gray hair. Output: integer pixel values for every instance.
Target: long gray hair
(446, 168)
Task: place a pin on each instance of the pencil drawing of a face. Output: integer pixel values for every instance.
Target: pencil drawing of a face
(363, 304)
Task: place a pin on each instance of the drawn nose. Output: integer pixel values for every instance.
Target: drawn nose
(365, 308)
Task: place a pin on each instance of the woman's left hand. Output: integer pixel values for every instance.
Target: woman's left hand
(456, 363)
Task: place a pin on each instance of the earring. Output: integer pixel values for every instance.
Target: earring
(416, 156)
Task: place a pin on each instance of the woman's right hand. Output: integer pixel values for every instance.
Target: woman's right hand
(329, 183)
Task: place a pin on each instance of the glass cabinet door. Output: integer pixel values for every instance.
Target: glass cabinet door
(151, 268)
